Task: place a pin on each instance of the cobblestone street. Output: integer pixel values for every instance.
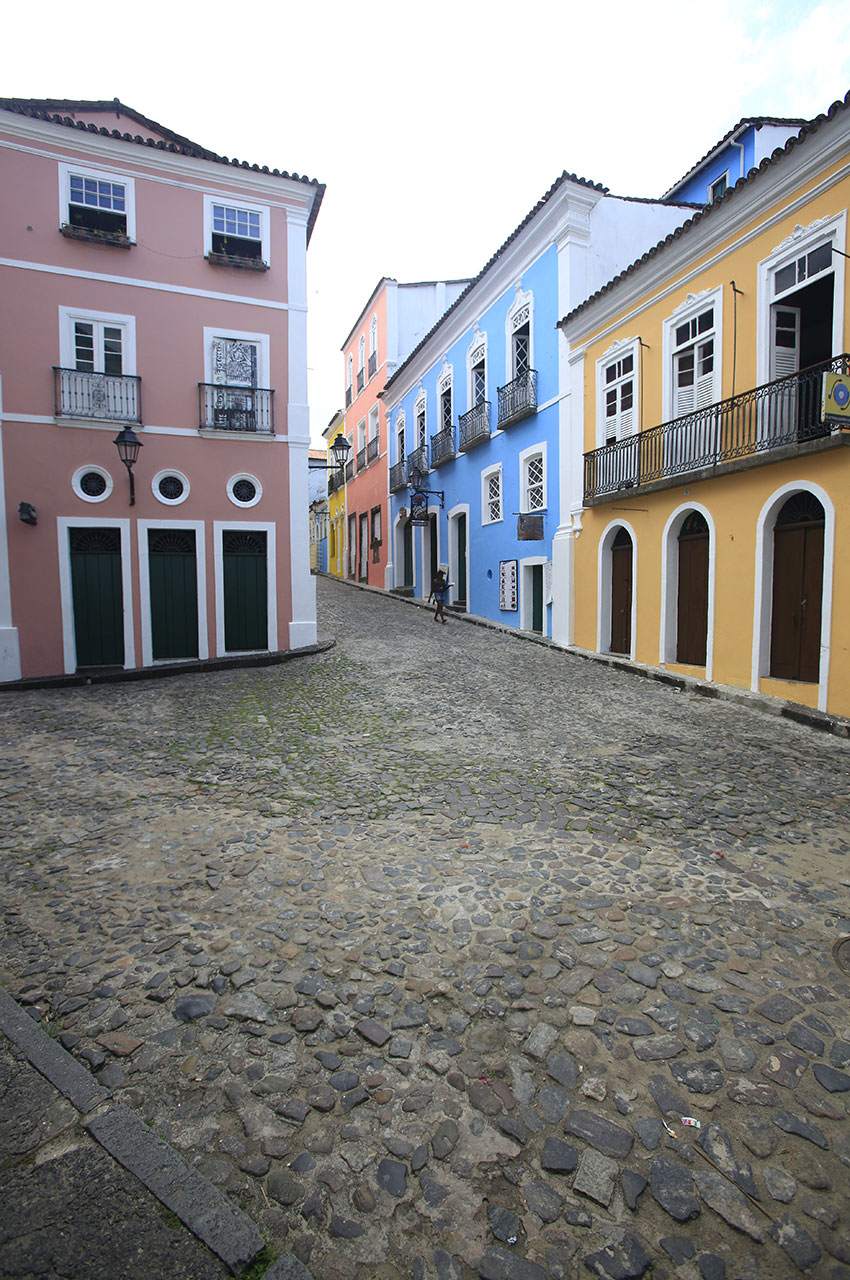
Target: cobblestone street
(422, 948)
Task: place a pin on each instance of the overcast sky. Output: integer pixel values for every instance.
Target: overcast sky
(436, 127)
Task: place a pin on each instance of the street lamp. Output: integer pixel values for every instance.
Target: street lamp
(340, 450)
(128, 445)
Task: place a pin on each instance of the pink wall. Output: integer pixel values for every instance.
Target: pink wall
(368, 488)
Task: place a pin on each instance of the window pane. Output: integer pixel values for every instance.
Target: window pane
(683, 333)
(785, 278)
(628, 363)
(626, 396)
(819, 259)
(84, 347)
(685, 369)
(705, 321)
(611, 373)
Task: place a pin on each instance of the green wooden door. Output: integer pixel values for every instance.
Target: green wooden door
(97, 597)
(460, 590)
(174, 593)
(245, 590)
(537, 597)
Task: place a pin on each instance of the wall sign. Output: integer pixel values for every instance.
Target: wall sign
(508, 578)
(529, 528)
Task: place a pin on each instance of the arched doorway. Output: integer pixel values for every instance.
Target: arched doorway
(795, 628)
(692, 597)
(621, 592)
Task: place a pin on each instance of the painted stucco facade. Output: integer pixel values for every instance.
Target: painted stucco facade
(158, 288)
(476, 410)
(336, 500)
(714, 497)
(394, 320)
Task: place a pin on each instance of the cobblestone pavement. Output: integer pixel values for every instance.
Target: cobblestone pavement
(423, 949)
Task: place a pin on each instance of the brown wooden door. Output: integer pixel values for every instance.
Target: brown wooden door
(621, 593)
(795, 629)
(692, 616)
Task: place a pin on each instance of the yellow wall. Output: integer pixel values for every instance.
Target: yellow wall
(733, 501)
(336, 519)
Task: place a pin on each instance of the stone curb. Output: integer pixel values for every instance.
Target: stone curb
(200, 1206)
(808, 716)
(170, 669)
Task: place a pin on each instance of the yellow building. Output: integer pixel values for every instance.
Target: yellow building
(336, 501)
(707, 491)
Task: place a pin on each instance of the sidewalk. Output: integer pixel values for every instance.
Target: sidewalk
(88, 1192)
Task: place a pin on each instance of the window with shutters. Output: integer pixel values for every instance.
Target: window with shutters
(420, 415)
(491, 495)
(692, 346)
(801, 290)
(617, 392)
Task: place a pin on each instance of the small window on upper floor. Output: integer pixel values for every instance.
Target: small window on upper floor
(719, 187)
(96, 205)
(236, 235)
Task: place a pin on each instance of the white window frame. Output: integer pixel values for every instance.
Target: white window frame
(832, 229)
(486, 476)
(692, 307)
(349, 373)
(233, 202)
(616, 352)
(361, 356)
(537, 450)
(261, 340)
(76, 479)
(171, 502)
(373, 336)
(244, 475)
(400, 431)
(476, 351)
(101, 175)
(445, 386)
(420, 411)
(361, 435)
(373, 430)
(68, 316)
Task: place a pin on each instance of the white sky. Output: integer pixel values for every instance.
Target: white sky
(436, 127)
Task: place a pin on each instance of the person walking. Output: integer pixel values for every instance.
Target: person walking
(439, 587)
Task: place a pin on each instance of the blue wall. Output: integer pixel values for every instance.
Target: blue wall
(460, 478)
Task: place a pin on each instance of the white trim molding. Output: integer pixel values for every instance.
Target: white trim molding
(603, 587)
(670, 584)
(688, 309)
(144, 527)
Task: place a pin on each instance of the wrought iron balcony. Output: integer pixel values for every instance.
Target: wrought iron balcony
(105, 397)
(373, 449)
(348, 396)
(442, 446)
(518, 399)
(373, 364)
(398, 477)
(474, 426)
(361, 459)
(776, 415)
(349, 469)
(224, 408)
(361, 380)
(334, 482)
(417, 463)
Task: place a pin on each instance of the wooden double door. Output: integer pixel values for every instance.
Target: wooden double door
(795, 629)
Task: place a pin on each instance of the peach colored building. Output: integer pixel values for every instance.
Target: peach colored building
(157, 290)
(396, 317)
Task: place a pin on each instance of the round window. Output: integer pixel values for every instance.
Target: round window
(170, 487)
(91, 483)
(244, 490)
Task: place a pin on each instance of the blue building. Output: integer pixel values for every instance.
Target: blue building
(479, 409)
(743, 148)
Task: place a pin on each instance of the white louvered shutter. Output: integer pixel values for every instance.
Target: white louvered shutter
(785, 342)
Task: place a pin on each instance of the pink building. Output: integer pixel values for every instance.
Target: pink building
(151, 289)
(396, 317)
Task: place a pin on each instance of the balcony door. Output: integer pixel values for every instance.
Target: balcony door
(235, 363)
(795, 632)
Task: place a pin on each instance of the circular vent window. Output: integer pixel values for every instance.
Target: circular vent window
(91, 483)
(170, 487)
(244, 490)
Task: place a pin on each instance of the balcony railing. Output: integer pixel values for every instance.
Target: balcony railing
(373, 448)
(348, 395)
(361, 379)
(349, 469)
(776, 414)
(518, 399)
(474, 426)
(224, 408)
(361, 459)
(398, 477)
(417, 463)
(442, 446)
(106, 397)
(373, 364)
(334, 482)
